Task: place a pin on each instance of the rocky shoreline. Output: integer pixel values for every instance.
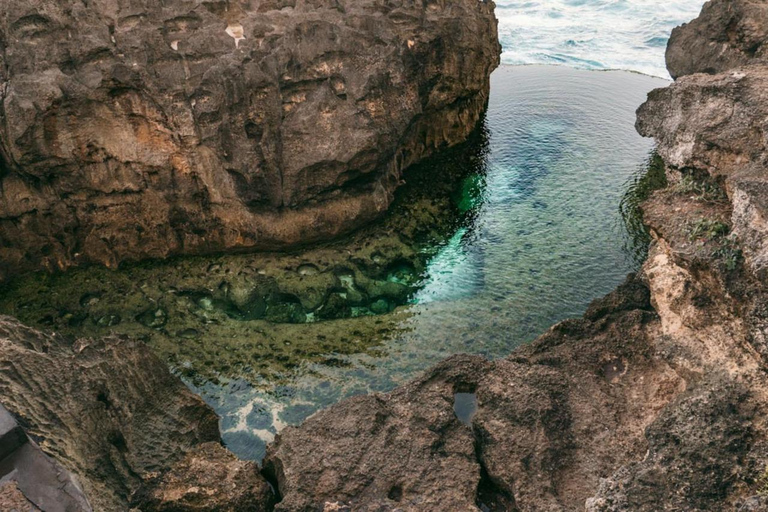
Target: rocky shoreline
(656, 399)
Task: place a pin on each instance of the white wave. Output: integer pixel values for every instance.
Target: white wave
(592, 34)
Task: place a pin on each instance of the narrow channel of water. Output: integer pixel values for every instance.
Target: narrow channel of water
(487, 246)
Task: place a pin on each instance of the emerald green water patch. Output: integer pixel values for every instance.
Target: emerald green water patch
(485, 247)
(256, 317)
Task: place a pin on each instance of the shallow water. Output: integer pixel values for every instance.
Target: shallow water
(521, 229)
(591, 34)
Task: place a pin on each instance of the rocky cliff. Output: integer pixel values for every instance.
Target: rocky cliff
(133, 129)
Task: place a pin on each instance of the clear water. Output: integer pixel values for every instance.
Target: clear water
(591, 34)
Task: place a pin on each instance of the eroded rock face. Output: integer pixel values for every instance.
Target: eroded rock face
(133, 130)
(208, 479)
(727, 34)
(108, 410)
(712, 126)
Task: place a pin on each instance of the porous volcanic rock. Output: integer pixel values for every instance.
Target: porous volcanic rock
(208, 479)
(727, 34)
(108, 410)
(133, 129)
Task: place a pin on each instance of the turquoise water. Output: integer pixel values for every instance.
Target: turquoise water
(591, 34)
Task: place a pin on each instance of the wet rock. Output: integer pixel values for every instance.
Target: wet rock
(381, 307)
(107, 409)
(107, 320)
(198, 126)
(154, 318)
(336, 306)
(726, 35)
(354, 454)
(189, 334)
(208, 479)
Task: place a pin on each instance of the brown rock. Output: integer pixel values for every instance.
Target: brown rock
(405, 450)
(13, 500)
(727, 34)
(208, 479)
(108, 410)
(132, 129)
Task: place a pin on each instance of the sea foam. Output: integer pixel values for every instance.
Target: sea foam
(592, 34)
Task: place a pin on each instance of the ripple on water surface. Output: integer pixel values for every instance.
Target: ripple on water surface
(521, 229)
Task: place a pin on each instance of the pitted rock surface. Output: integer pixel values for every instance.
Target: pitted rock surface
(107, 410)
(132, 129)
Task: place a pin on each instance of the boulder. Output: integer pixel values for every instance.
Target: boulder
(107, 410)
(207, 479)
(132, 129)
(727, 34)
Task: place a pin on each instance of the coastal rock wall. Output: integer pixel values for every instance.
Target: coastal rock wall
(133, 130)
(724, 36)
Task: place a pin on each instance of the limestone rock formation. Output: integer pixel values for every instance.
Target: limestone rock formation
(108, 410)
(133, 129)
(724, 36)
(714, 125)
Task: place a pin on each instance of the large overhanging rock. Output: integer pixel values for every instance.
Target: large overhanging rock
(727, 34)
(134, 129)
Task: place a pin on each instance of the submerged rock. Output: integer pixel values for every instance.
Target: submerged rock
(138, 130)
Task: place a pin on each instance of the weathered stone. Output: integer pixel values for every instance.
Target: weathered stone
(108, 410)
(136, 130)
(208, 479)
(727, 34)
(13, 500)
(404, 451)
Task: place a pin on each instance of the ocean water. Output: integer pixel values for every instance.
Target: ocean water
(591, 34)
